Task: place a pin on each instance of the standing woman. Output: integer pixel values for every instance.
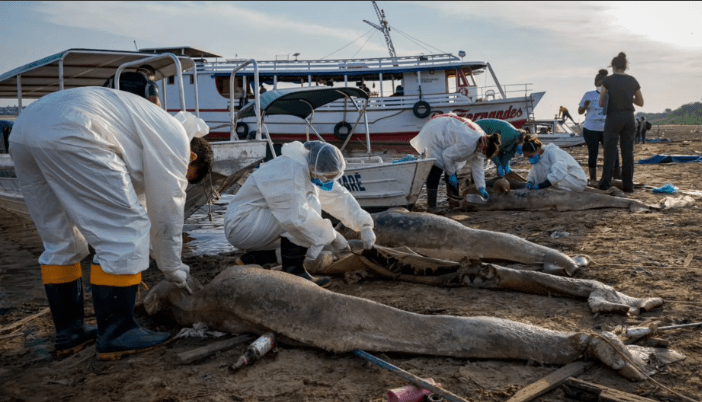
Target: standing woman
(622, 92)
(593, 129)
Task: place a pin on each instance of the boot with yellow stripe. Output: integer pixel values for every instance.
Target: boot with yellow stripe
(114, 297)
(64, 290)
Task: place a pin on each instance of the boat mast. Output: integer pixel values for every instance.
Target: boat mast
(383, 27)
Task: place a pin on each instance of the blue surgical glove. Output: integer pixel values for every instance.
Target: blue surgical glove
(518, 150)
(484, 193)
(507, 168)
(500, 171)
(453, 180)
(530, 185)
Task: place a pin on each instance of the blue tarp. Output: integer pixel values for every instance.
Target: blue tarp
(670, 159)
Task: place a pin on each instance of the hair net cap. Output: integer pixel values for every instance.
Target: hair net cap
(194, 126)
(325, 159)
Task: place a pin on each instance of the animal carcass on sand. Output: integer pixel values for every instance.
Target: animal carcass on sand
(440, 237)
(251, 299)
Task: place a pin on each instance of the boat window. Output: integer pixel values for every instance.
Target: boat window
(222, 84)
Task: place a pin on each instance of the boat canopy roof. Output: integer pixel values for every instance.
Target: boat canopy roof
(181, 51)
(80, 68)
(335, 70)
(298, 102)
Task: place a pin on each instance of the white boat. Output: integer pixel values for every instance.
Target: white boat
(85, 67)
(554, 131)
(376, 184)
(433, 84)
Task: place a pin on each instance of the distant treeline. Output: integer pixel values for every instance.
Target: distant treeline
(690, 113)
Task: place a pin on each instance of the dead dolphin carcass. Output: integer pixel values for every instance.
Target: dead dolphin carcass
(251, 299)
(440, 237)
(553, 199)
(405, 265)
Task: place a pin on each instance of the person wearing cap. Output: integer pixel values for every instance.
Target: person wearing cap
(281, 204)
(89, 161)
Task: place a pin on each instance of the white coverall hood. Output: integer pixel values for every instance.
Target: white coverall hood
(194, 126)
(280, 199)
(560, 168)
(452, 140)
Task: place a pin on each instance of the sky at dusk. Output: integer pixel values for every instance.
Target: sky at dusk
(556, 47)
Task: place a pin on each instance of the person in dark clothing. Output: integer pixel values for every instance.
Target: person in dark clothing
(620, 92)
(564, 114)
(641, 127)
(6, 128)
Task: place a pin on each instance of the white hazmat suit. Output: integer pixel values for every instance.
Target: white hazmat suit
(452, 140)
(280, 200)
(89, 161)
(560, 168)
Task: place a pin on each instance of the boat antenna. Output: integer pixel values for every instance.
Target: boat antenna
(383, 27)
(135, 46)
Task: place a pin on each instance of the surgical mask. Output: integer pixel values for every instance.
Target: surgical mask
(323, 185)
(518, 150)
(599, 88)
(534, 159)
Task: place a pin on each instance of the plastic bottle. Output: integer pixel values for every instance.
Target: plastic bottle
(258, 348)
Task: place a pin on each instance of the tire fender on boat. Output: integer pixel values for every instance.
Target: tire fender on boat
(418, 106)
(337, 130)
(242, 133)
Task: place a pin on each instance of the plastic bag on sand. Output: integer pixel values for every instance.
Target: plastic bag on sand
(667, 189)
(671, 202)
(409, 393)
(194, 126)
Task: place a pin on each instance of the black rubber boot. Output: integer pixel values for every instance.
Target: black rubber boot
(118, 333)
(259, 257)
(432, 195)
(293, 257)
(66, 305)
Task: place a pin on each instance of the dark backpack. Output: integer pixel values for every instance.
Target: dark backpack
(131, 82)
(648, 126)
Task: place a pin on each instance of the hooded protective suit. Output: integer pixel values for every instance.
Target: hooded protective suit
(452, 140)
(89, 161)
(561, 169)
(279, 199)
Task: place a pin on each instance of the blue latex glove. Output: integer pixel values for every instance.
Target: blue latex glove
(484, 193)
(507, 168)
(453, 180)
(518, 150)
(501, 171)
(530, 185)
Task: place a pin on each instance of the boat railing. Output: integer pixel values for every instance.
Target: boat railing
(311, 66)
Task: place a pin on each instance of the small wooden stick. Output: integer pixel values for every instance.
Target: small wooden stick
(24, 321)
(196, 354)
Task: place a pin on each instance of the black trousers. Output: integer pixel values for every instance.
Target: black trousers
(433, 182)
(620, 129)
(593, 139)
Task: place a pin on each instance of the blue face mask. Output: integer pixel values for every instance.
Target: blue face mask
(324, 186)
(534, 159)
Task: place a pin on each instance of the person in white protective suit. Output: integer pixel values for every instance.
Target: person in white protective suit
(453, 141)
(552, 166)
(89, 161)
(282, 202)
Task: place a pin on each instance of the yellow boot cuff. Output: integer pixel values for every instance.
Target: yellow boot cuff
(57, 274)
(102, 278)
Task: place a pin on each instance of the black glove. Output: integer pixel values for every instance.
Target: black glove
(544, 184)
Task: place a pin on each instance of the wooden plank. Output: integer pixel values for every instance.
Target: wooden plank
(23, 321)
(551, 381)
(195, 354)
(606, 394)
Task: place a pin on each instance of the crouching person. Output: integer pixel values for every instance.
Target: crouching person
(280, 205)
(552, 166)
(89, 161)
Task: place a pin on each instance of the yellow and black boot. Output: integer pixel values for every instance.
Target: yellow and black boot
(293, 257)
(114, 297)
(64, 290)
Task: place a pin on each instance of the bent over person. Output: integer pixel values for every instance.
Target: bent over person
(89, 162)
(282, 203)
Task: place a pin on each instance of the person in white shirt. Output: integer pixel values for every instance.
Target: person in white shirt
(552, 166)
(593, 128)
